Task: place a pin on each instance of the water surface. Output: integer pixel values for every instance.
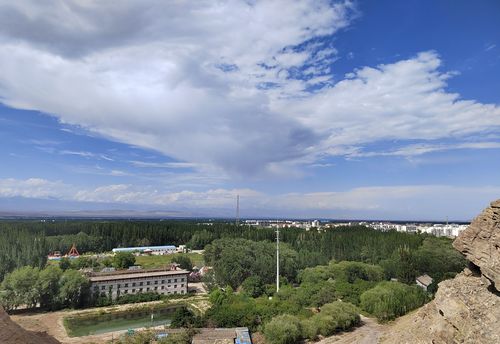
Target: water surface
(86, 325)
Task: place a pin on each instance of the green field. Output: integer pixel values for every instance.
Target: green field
(148, 262)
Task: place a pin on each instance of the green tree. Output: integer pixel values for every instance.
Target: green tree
(65, 263)
(182, 317)
(406, 268)
(253, 286)
(283, 329)
(73, 289)
(234, 260)
(184, 261)
(21, 286)
(389, 300)
(122, 260)
(48, 286)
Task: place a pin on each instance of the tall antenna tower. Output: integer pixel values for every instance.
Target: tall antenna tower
(237, 210)
(277, 259)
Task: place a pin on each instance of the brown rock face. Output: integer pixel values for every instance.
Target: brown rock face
(12, 333)
(466, 309)
(480, 243)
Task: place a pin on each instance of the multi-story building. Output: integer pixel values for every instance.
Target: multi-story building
(125, 282)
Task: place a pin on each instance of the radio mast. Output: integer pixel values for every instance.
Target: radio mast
(277, 259)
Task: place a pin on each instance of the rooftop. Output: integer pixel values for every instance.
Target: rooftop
(128, 274)
(222, 336)
(425, 279)
(142, 248)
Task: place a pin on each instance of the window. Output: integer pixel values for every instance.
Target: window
(126, 285)
(118, 286)
(156, 282)
(148, 283)
(133, 284)
(103, 287)
(141, 283)
(182, 285)
(169, 281)
(162, 287)
(175, 280)
(156, 288)
(125, 291)
(162, 281)
(133, 290)
(175, 285)
(141, 290)
(147, 289)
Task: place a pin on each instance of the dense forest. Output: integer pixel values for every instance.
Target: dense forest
(28, 242)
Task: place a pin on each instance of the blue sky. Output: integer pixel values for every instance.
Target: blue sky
(349, 109)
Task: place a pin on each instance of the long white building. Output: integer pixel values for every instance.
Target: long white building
(155, 250)
(139, 281)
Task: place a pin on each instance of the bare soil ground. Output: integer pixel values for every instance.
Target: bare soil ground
(52, 322)
(368, 332)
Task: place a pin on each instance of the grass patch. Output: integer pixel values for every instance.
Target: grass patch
(150, 262)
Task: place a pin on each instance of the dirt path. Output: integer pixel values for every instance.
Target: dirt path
(368, 333)
(52, 322)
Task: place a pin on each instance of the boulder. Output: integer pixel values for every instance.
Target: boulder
(480, 243)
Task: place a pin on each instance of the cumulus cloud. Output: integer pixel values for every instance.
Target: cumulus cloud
(222, 84)
(34, 188)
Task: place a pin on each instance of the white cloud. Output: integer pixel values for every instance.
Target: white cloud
(163, 164)
(220, 84)
(34, 188)
(130, 194)
(422, 148)
(404, 100)
(490, 47)
(385, 202)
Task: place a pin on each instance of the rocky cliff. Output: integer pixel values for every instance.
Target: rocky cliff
(480, 244)
(12, 333)
(466, 309)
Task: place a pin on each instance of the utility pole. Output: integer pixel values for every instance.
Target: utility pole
(277, 259)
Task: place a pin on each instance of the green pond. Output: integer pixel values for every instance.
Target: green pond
(86, 325)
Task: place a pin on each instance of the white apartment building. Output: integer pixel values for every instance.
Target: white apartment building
(139, 281)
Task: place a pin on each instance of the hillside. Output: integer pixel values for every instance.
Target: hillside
(12, 333)
(466, 309)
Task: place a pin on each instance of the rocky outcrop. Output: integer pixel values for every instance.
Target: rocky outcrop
(480, 243)
(12, 333)
(465, 309)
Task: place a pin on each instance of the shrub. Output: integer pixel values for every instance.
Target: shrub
(283, 329)
(389, 300)
(253, 286)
